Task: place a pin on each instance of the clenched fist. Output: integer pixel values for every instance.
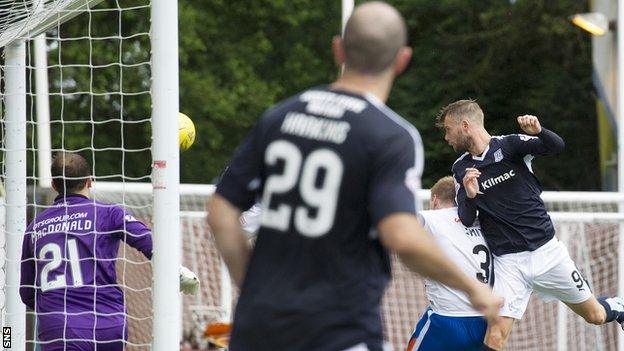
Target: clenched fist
(529, 124)
(471, 183)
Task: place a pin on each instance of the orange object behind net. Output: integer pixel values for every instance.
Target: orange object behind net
(218, 334)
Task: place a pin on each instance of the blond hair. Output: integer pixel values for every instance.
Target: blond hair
(458, 110)
(444, 189)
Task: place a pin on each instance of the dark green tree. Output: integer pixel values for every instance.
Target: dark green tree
(514, 59)
(237, 58)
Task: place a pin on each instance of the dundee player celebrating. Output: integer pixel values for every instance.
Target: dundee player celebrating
(497, 185)
(336, 171)
(68, 264)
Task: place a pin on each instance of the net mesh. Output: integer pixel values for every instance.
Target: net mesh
(134, 271)
(591, 244)
(198, 254)
(99, 100)
(25, 19)
(97, 59)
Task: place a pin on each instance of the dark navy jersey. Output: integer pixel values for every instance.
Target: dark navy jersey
(512, 214)
(326, 166)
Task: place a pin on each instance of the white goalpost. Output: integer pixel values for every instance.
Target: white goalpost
(15, 180)
(214, 301)
(102, 78)
(165, 175)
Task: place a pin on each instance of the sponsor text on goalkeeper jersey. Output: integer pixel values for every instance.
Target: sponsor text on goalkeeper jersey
(68, 263)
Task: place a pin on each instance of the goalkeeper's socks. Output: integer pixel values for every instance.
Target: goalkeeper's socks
(614, 306)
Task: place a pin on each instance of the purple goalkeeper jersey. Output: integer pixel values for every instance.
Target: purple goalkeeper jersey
(68, 263)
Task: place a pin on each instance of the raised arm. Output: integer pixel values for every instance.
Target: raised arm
(539, 141)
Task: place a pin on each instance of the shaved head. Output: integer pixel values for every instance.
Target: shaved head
(373, 36)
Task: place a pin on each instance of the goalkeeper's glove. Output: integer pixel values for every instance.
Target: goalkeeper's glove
(189, 283)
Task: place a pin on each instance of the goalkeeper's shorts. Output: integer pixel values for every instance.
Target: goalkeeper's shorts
(435, 332)
(80, 339)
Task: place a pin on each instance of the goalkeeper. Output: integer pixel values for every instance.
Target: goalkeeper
(68, 272)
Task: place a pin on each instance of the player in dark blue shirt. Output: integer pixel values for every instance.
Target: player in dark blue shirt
(495, 182)
(336, 172)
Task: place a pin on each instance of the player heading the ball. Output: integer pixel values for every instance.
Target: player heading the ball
(496, 184)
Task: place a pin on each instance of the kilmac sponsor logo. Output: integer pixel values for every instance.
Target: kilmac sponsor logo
(497, 180)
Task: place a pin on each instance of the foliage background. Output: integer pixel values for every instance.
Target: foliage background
(238, 57)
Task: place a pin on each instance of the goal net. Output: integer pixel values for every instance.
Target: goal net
(97, 77)
(213, 302)
(589, 228)
(588, 223)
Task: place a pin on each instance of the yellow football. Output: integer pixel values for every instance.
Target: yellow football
(187, 132)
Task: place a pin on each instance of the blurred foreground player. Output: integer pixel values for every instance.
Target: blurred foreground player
(68, 272)
(337, 173)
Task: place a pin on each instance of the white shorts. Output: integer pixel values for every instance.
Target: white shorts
(549, 270)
